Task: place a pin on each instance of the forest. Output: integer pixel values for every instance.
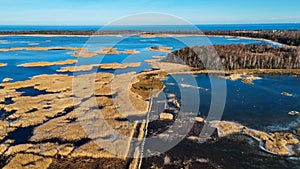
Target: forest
(288, 37)
(239, 56)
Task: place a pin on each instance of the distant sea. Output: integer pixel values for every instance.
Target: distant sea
(274, 26)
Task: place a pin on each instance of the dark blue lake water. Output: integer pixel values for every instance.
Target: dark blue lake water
(260, 106)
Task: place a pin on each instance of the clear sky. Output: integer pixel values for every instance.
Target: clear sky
(99, 12)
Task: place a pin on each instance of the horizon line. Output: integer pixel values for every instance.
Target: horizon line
(252, 23)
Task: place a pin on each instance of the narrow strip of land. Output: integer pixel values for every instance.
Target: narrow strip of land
(288, 37)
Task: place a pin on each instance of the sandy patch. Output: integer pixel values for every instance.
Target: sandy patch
(287, 94)
(81, 68)
(41, 49)
(158, 57)
(153, 35)
(160, 49)
(170, 67)
(248, 79)
(112, 66)
(120, 66)
(6, 80)
(3, 64)
(42, 64)
(102, 51)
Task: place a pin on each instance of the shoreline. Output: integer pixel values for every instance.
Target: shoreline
(175, 68)
(248, 71)
(277, 36)
(125, 35)
(135, 34)
(169, 36)
(295, 72)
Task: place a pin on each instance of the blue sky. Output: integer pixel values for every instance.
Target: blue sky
(99, 12)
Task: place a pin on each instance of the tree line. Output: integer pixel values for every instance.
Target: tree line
(238, 56)
(288, 37)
